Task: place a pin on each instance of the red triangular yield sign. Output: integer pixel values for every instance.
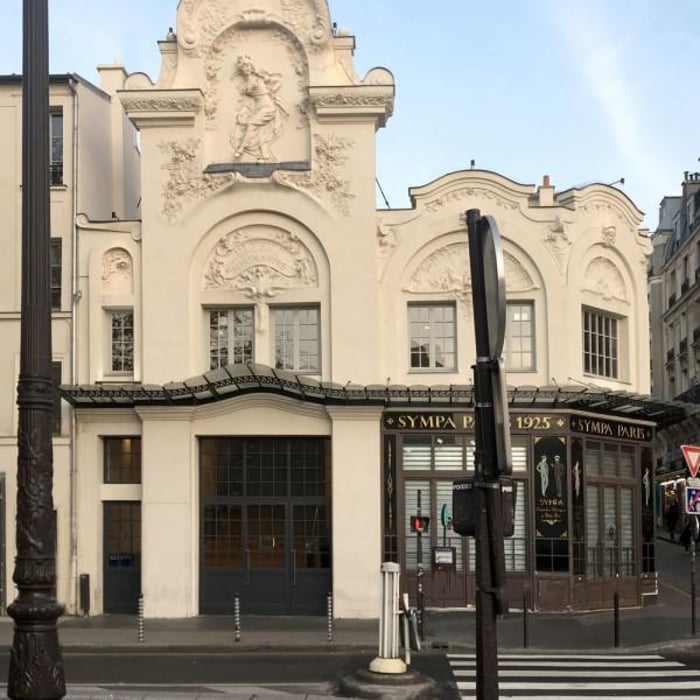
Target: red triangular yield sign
(692, 458)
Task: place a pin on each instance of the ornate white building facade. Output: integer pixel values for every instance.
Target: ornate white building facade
(269, 376)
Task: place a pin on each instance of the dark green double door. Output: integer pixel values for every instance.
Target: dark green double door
(264, 525)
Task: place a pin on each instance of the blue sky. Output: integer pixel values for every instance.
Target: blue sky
(583, 90)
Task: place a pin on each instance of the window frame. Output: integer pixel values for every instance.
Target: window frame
(591, 359)
(296, 310)
(510, 304)
(136, 459)
(56, 272)
(57, 379)
(111, 315)
(56, 145)
(231, 340)
(432, 359)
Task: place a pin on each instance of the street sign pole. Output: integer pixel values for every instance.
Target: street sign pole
(492, 442)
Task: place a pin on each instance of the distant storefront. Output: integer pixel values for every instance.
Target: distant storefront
(584, 523)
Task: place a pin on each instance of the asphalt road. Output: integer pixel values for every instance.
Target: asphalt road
(311, 672)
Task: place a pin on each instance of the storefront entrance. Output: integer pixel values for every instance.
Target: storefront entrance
(265, 525)
(122, 557)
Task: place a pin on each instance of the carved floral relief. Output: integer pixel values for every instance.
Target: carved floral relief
(186, 181)
(603, 278)
(260, 263)
(117, 272)
(325, 180)
(446, 271)
(557, 241)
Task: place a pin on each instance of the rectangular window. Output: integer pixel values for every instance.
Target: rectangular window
(56, 272)
(122, 460)
(297, 339)
(600, 344)
(231, 337)
(56, 371)
(122, 341)
(56, 136)
(520, 337)
(432, 336)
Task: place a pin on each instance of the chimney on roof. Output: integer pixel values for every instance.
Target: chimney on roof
(545, 193)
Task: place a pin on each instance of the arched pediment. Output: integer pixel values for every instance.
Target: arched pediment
(260, 261)
(603, 278)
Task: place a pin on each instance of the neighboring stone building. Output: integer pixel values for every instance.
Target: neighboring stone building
(94, 170)
(674, 295)
(271, 376)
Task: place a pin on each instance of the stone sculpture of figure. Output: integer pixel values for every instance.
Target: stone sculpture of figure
(543, 470)
(261, 119)
(558, 469)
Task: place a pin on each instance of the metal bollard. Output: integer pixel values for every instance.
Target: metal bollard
(141, 626)
(237, 617)
(420, 598)
(616, 618)
(388, 660)
(329, 614)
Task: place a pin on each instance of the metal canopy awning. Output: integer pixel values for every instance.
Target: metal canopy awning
(231, 381)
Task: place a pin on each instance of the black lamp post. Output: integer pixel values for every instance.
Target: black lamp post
(36, 666)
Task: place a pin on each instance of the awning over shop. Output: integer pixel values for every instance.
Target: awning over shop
(231, 381)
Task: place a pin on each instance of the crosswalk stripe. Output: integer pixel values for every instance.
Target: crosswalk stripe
(675, 673)
(579, 664)
(567, 676)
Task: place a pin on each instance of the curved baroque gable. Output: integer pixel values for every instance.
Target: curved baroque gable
(199, 21)
(260, 262)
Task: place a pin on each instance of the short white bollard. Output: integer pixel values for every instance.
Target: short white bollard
(388, 660)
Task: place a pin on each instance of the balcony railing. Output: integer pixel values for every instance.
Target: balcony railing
(696, 335)
(685, 285)
(671, 300)
(670, 355)
(683, 347)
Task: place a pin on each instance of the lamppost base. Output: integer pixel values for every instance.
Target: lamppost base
(36, 665)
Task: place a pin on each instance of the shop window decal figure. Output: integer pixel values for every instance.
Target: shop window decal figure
(543, 470)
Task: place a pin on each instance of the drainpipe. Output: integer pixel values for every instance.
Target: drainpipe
(75, 295)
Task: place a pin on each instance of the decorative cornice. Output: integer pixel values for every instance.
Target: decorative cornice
(161, 107)
(369, 101)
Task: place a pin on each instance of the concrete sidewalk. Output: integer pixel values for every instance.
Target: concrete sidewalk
(662, 625)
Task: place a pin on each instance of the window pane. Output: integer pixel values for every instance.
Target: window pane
(56, 272)
(122, 341)
(432, 336)
(122, 460)
(600, 344)
(520, 338)
(56, 372)
(449, 452)
(297, 339)
(56, 136)
(231, 335)
(417, 491)
(417, 452)
(450, 539)
(516, 546)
